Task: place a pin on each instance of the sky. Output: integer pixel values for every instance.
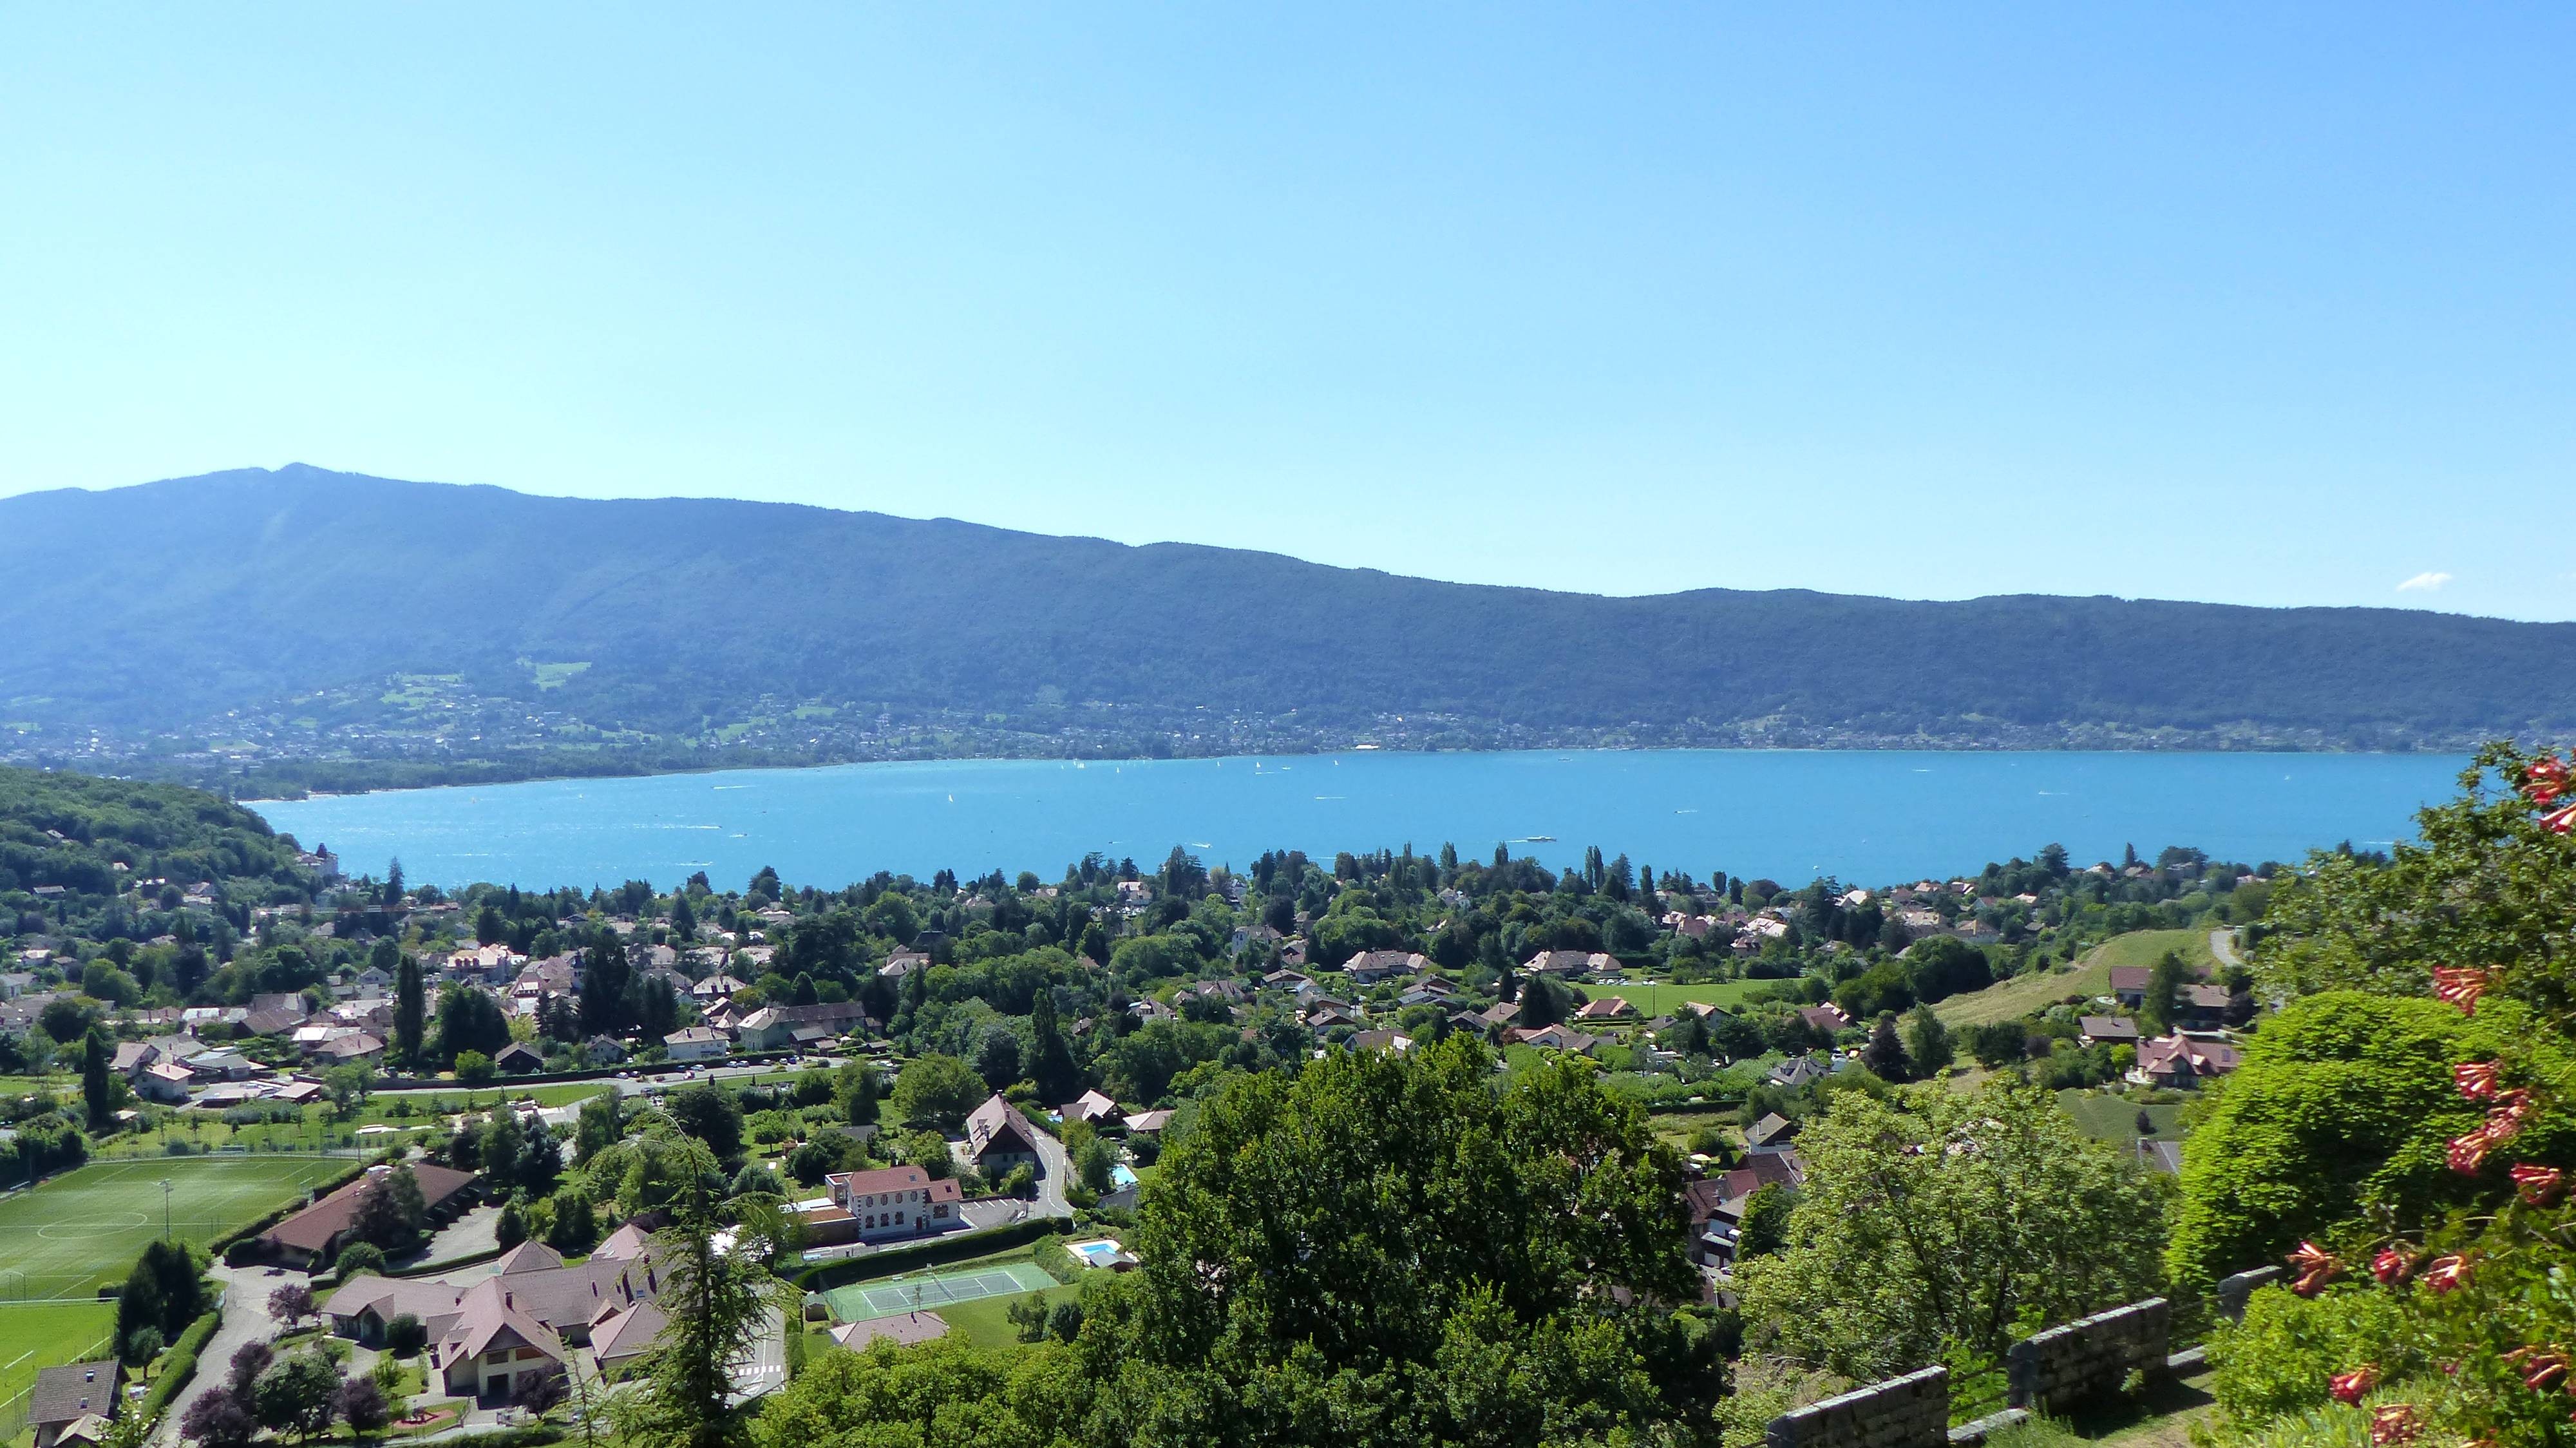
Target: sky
(2232, 302)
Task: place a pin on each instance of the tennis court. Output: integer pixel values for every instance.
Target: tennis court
(861, 1301)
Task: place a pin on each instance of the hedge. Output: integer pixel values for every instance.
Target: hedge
(929, 1254)
(180, 1363)
(533, 1436)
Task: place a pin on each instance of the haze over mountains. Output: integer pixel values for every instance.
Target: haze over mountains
(316, 626)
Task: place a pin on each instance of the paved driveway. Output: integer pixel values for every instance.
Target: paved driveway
(245, 1320)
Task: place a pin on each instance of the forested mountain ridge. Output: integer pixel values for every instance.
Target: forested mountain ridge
(262, 618)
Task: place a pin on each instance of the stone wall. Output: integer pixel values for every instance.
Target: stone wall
(2088, 1357)
(2233, 1291)
(1908, 1412)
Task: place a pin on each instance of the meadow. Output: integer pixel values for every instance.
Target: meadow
(71, 1235)
(2088, 977)
(1661, 1000)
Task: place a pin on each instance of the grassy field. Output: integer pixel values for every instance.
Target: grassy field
(2112, 1118)
(1657, 1000)
(2090, 976)
(987, 1322)
(38, 1335)
(83, 1229)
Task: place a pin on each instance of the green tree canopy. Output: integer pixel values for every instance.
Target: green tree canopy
(937, 1089)
(1390, 1249)
(2343, 1103)
(1934, 1222)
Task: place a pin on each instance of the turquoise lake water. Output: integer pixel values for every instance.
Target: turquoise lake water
(1869, 817)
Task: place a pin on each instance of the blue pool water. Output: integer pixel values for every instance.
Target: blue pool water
(1870, 817)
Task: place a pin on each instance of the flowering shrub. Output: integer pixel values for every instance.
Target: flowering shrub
(2483, 1293)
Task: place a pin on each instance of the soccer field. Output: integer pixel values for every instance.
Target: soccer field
(858, 1302)
(83, 1229)
(38, 1335)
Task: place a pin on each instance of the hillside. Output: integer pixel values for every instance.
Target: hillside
(277, 620)
(87, 844)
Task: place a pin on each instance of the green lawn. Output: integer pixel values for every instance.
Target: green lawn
(83, 1230)
(986, 1322)
(2088, 977)
(38, 1335)
(1657, 1000)
(2113, 1118)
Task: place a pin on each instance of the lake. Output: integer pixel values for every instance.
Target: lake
(1869, 816)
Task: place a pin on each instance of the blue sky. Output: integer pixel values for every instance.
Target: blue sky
(2267, 305)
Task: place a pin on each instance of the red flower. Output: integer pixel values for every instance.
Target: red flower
(2560, 820)
(2545, 779)
(2393, 1265)
(2353, 1386)
(2461, 985)
(2539, 1185)
(2468, 1153)
(2397, 1423)
(2477, 1080)
(2542, 1368)
(2446, 1273)
(2317, 1267)
(2504, 1120)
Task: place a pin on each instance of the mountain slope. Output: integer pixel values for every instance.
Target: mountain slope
(171, 605)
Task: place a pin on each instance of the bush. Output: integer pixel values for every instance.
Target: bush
(180, 1365)
(359, 1258)
(406, 1335)
(2277, 1360)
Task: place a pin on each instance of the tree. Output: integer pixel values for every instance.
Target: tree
(248, 1361)
(1998, 1044)
(408, 1012)
(710, 1113)
(98, 1082)
(291, 1304)
(2161, 1007)
(1765, 1228)
(1051, 1066)
(359, 1259)
(360, 1403)
(997, 1056)
(406, 1335)
(469, 1020)
(378, 1219)
(165, 1292)
(602, 1124)
(474, 1068)
(295, 1394)
(937, 1090)
(575, 1228)
(1944, 966)
(219, 1419)
(2340, 1109)
(510, 1228)
(1936, 1219)
(1885, 1054)
(1487, 1259)
(1927, 1042)
(718, 1305)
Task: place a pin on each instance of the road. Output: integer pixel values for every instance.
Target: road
(1056, 1171)
(245, 1320)
(2222, 946)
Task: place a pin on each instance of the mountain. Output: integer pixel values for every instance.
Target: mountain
(278, 621)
